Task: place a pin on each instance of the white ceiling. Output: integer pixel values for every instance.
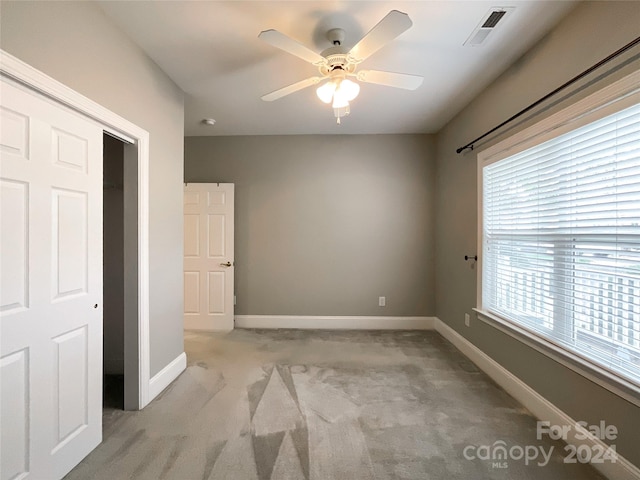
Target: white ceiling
(212, 51)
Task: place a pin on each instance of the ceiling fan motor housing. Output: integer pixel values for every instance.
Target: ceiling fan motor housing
(337, 55)
(336, 62)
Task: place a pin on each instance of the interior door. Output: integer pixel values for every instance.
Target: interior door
(51, 278)
(208, 256)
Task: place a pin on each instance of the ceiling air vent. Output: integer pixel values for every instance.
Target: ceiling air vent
(493, 19)
(487, 25)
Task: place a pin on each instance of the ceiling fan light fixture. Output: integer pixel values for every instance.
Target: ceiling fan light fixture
(338, 92)
(339, 101)
(325, 92)
(348, 89)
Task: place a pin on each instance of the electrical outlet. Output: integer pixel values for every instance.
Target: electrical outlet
(382, 301)
(467, 319)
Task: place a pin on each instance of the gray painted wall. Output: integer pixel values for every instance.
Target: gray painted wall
(590, 32)
(327, 224)
(75, 43)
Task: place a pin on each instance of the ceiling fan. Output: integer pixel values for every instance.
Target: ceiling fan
(337, 64)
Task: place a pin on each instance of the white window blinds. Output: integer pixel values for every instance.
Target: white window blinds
(561, 241)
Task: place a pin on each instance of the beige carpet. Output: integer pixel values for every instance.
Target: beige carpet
(310, 405)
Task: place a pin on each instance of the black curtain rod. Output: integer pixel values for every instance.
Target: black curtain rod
(549, 95)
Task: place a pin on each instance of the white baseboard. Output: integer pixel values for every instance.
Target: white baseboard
(168, 374)
(539, 406)
(334, 323)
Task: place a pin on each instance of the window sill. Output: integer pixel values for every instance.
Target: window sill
(602, 377)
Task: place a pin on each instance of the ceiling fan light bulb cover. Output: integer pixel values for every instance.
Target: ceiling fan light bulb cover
(339, 101)
(348, 89)
(325, 92)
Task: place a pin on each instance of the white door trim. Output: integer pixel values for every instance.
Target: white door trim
(25, 74)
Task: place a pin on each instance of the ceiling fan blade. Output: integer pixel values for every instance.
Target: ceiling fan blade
(390, 79)
(390, 27)
(289, 45)
(294, 87)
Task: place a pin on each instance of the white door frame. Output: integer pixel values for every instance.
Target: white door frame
(32, 78)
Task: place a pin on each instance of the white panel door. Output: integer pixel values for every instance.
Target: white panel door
(208, 256)
(51, 286)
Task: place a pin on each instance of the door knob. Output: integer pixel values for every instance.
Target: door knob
(228, 264)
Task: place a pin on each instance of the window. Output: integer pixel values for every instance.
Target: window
(561, 237)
